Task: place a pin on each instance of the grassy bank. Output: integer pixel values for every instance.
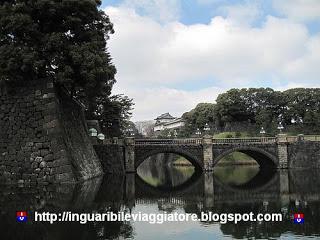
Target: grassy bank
(235, 158)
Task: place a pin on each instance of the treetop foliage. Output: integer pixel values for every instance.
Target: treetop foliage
(113, 114)
(61, 40)
(263, 107)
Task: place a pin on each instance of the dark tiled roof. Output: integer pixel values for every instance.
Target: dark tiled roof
(165, 116)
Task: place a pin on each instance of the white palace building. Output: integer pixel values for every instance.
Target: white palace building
(166, 121)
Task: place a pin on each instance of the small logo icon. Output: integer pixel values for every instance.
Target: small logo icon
(21, 216)
(298, 218)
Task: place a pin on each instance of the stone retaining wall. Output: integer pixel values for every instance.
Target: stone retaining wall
(37, 125)
(111, 157)
(304, 154)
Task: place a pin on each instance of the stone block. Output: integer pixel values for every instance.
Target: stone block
(41, 174)
(29, 144)
(64, 169)
(64, 177)
(49, 164)
(46, 145)
(38, 159)
(44, 152)
(61, 154)
(48, 158)
(39, 145)
(52, 124)
(60, 162)
(50, 179)
(42, 164)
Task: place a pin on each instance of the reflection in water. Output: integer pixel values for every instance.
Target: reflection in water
(285, 192)
(237, 158)
(235, 175)
(159, 170)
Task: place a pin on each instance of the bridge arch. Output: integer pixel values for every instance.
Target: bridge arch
(264, 158)
(195, 159)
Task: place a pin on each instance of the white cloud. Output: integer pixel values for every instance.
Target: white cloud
(305, 70)
(244, 13)
(151, 102)
(161, 10)
(301, 10)
(152, 58)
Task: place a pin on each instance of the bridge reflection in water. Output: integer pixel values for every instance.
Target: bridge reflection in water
(175, 189)
(156, 179)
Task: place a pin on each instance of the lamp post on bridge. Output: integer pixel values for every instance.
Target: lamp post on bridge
(93, 133)
(280, 127)
(130, 132)
(198, 133)
(175, 133)
(206, 129)
(207, 149)
(262, 133)
(101, 136)
(282, 147)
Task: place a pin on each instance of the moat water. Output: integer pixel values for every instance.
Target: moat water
(160, 186)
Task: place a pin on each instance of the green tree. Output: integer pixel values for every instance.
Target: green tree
(113, 114)
(260, 106)
(298, 109)
(301, 103)
(64, 41)
(302, 109)
(232, 107)
(197, 118)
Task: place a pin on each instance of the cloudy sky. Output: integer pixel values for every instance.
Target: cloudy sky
(172, 54)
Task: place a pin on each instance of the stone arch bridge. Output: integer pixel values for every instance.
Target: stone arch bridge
(204, 153)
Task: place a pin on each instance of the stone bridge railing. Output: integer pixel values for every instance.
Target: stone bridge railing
(245, 140)
(313, 138)
(185, 141)
(254, 140)
(199, 141)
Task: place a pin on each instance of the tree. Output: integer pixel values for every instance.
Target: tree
(197, 118)
(113, 114)
(303, 109)
(300, 102)
(64, 41)
(232, 107)
(260, 106)
(298, 109)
